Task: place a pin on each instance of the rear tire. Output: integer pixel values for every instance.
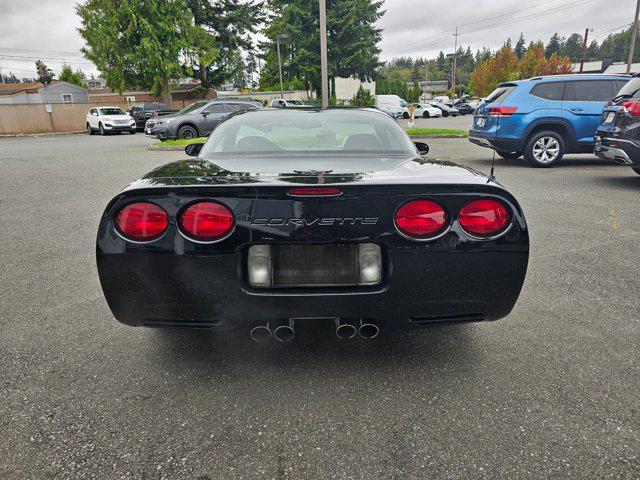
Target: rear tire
(445, 114)
(187, 131)
(509, 155)
(636, 169)
(132, 132)
(405, 115)
(426, 115)
(544, 149)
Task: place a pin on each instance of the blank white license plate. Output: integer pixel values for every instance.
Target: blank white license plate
(480, 122)
(610, 117)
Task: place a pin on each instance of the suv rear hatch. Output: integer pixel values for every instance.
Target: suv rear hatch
(487, 113)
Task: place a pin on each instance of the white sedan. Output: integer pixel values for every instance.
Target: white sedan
(422, 110)
(109, 119)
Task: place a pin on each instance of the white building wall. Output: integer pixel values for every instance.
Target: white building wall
(346, 88)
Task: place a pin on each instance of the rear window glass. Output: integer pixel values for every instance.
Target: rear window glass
(318, 132)
(630, 88)
(549, 90)
(589, 91)
(499, 94)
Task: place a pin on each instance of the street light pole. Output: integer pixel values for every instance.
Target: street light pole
(323, 54)
(280, 36)
(634, 34)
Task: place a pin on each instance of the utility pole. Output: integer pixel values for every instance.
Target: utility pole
(584, 48)
(280, 36)
(634, 34)
(1, 77)
(455, 63)
(323, 54)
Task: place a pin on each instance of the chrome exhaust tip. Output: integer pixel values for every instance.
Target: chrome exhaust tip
(284, 333)
(345, 331)
(368, 329)
(261, 333)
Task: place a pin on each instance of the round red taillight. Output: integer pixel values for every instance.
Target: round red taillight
(484, 218)
(206, 221)
(142, 221)
(421, 219)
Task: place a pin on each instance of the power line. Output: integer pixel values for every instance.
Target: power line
(447, 32)
(611, 31)
(507, 22)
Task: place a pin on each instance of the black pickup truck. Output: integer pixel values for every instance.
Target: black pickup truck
(142, 112)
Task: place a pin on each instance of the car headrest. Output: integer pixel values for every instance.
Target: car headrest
(256, 144)
(362, 141)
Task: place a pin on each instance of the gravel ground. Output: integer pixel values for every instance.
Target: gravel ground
(552, 391)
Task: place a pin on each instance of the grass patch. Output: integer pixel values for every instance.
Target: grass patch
(181, 142)
(418, 132)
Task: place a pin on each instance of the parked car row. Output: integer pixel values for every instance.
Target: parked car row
(544, 118)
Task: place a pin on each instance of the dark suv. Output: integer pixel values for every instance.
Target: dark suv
(543, 118)
(196, 120)
(618, 136)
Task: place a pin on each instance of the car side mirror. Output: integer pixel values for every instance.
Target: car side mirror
(422, 147)
(194, 149)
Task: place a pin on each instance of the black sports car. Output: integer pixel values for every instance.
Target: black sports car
(294, 216)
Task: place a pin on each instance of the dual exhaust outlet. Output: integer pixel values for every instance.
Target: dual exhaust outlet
(285, 331)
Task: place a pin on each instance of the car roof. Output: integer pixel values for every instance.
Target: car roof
(567, 76)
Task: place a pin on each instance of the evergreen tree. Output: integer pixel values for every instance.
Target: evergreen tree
(520, 46)
(251, 65)
(572, 48)
(45, 74)
(441, 61)
(228, 25)
(554, 45)
(352, 38)
(592, 51)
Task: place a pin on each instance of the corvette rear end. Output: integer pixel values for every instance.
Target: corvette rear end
(383, 238)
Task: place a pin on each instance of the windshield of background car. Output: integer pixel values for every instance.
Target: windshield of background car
(112, 111)
(631, 89)
(327, 132)
(192, 108)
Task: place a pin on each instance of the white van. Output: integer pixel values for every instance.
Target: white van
(442, 99)
(392, 102)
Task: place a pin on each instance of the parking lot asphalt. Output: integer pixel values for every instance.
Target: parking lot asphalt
(551, 391)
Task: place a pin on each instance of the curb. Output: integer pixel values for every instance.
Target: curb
(43, 134)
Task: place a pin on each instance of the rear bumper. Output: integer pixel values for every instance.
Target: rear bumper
(422, 288)
(618, 150)
(502, 144)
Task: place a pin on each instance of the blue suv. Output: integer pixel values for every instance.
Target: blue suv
(543, 118)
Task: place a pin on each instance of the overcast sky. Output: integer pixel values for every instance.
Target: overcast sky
(47, 28)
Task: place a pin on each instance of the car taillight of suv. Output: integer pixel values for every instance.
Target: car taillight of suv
(618, 136)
